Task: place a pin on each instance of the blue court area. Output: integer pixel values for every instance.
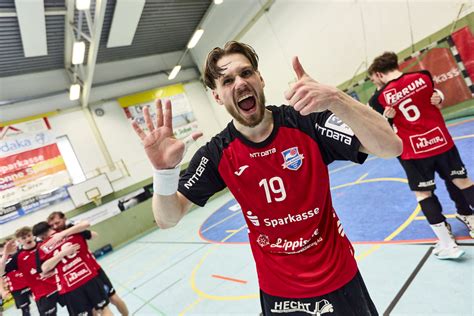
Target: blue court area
(373, 200)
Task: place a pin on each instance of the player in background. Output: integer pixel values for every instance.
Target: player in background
(437, 98)
(16, 282)
(58, 221)
(80, 288)
(427, 147)
(43, 287)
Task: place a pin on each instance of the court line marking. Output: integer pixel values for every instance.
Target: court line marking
(463, 137)
(351, 164)
(221, 221)
(419, 218)
(408, 282)
(203, 295)
(191, 306)
(228, 279)
(154, 264)
(362, 177)
(139, 297)
(392, 235)
(459, 123)
(154, 296)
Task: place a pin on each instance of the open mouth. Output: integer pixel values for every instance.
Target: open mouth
(247, 103)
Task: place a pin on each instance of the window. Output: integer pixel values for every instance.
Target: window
(72, 163)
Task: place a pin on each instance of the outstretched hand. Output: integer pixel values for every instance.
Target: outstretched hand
(163, 150)
(9, 248)
(307, 95)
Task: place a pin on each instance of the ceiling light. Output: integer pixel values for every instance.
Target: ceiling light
(197, 35)
(218, 1)
(83, 4)
(174, 72)
(74, 92)
(78, 52)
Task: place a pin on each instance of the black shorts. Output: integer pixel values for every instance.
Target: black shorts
(108, 287)
(86, 298)
(421, 172)
(47, 305)
(22, 297)
(350, 300)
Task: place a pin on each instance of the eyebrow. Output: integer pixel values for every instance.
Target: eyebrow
(239, 70)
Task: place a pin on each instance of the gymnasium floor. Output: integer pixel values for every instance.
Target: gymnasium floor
(204, 265)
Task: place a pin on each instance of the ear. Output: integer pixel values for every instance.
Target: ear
(261, 78)
(217, 97)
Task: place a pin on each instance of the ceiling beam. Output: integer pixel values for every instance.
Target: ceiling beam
(96, 28)
(68, 34)
(47, 11)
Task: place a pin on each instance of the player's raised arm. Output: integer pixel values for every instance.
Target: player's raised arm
(165, 153)
(308, 96)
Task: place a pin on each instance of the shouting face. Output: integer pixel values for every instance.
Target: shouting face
(27, 241)
(240, 90)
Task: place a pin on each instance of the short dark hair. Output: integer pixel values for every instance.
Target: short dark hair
(54, 214)
(212, 71)
(22, 232)
(384, 63)
(41, 228)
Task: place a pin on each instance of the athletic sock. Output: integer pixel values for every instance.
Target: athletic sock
(444, 235)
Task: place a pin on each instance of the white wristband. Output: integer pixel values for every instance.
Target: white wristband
(441, 95)
(165, 181)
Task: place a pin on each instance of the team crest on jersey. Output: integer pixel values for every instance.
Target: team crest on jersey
(292, 159)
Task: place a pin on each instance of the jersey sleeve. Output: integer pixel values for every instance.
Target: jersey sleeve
(87, 234)
(38, 261)
(336, 140)
(201, 179)
(12, 263)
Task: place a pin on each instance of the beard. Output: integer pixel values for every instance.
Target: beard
(254, 119)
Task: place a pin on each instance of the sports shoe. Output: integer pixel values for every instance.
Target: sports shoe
(447, 253)
(467, 220)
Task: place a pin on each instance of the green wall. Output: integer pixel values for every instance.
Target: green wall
(124, 227)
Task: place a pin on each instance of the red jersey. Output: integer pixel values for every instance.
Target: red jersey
(72, 271)
(417, 122)
(282, 186)
(25, 261)
(15, 279)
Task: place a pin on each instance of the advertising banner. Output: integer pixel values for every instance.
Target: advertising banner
(33, 174)
(184, 121)
(445, 72)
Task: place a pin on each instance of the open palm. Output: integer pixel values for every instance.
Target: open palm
(163, 150)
